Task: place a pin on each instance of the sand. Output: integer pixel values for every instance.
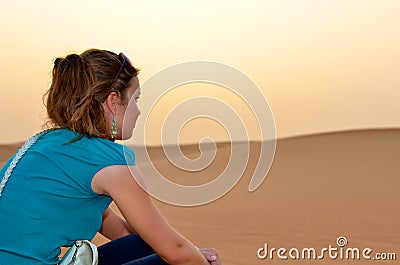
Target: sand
(319, 187)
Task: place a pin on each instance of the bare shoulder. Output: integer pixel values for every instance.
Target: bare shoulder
(113, 178)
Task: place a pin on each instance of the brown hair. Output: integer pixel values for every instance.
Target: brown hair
(80, 84)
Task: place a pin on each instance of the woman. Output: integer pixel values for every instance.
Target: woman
(61, 188)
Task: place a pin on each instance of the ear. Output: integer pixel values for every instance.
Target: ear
(111, 102)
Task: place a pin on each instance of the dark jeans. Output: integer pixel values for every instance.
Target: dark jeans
(128, 250)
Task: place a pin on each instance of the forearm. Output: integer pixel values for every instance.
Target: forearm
(194, 257)
(120, 230)
(114, 226)
(186, 254)
(180, 251)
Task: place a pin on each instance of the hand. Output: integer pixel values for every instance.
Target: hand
(211, 254)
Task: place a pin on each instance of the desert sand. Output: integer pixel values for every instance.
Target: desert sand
(319, 187)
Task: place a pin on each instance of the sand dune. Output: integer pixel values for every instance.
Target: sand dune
(320, 187)
(7, 151)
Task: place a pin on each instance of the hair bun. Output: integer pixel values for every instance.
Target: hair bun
(57, 61)
(73, 58)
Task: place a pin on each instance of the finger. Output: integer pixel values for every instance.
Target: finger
(217, 262)
(211, 251)
(213, 258)
(209, 255)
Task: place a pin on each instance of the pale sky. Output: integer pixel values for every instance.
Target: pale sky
(322, 65)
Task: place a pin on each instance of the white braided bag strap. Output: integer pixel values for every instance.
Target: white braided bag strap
(18, 156)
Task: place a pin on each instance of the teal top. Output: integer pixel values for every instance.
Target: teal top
(48, 201)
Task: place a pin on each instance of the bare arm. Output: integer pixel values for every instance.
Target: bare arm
(114, 226)
(141, 214)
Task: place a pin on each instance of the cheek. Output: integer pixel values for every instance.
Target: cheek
(134, 112)
(130, 120)
(131, 114)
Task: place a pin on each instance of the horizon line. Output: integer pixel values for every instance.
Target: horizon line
(288, 137)
(257, 141)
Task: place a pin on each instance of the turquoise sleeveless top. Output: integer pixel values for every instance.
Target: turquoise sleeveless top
(48, 201)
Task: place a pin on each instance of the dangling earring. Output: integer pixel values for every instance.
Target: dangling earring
(114, 127)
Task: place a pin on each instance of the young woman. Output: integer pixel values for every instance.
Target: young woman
(61, 189)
